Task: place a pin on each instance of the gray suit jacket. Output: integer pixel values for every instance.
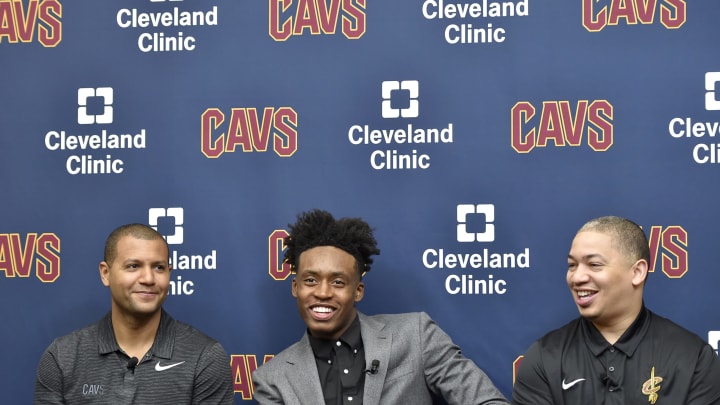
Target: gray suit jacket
(417, 361)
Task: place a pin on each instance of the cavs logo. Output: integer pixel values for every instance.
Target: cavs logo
(652, 386)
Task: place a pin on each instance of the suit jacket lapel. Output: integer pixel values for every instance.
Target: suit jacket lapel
(377, 345)
(303, 377)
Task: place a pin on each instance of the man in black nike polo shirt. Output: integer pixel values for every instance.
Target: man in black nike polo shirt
(617, 351)
(136, 354)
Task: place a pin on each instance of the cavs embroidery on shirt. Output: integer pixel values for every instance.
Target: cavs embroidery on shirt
(652, 386)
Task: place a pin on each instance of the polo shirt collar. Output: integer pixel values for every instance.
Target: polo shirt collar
(627, 343)
(161, 347)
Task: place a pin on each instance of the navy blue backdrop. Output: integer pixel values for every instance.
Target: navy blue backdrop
(476, 137)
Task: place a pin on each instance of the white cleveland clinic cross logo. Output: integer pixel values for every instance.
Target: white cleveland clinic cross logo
(464, 210)
(714, 339)
(412, 87)
(86, 93)
(177, 213)
(711, 97)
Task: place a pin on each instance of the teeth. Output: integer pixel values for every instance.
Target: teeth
(322, 309)
(584, 293)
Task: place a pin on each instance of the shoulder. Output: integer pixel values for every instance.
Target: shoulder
(673, 333)
(280, 360)
(406, 318)
(77, 338)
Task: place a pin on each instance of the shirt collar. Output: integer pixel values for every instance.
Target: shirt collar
(627, 343)
(323, 348)
(162, 346)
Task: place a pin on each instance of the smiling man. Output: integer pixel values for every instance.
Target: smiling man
(617, 351)
(136, 354)
(347, 357)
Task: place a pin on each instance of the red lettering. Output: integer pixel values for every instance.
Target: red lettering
(675, 261)
(522, 113)
(601, 139)
(573, 128)
(672, 13)
(279, 270)
(317, 17)
(286, 120)
(242, 368)
(559, 124)
(22, 258)
(654, 240)
(280, 31)
(251, 132)
(550, 126)
(353, 27)
(48, 264)
(210, 122)
(50, 14)
(25, 22)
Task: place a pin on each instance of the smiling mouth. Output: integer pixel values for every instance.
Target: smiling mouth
(584, 296)
(321, 312)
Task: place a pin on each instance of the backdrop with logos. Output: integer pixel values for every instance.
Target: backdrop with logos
(474, 136)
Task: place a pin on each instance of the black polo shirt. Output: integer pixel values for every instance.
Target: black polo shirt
(341, 366)
(654, 362)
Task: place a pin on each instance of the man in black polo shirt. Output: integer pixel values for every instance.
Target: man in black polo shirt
(617, 351)
(136, 354)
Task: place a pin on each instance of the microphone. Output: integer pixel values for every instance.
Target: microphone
(374, 365)
(609, 383)
(132, 363)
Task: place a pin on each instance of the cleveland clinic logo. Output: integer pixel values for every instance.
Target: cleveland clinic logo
(94, 110)
(400, 148)
(464, 211)
(166, 30)
(409, 87)
(170, 223)
(714, 339)
(689, 128)
(85, 96)
(474, 272)
(712, 79)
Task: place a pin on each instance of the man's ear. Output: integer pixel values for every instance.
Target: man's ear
(294, 287)
(640, 272)
(104, 273)
(360, 292)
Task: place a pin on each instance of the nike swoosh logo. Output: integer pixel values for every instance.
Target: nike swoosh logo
(158, 367)
(566, 386)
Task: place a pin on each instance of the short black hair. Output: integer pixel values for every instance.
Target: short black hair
(319, 228)
(627, 236)
(137, 231)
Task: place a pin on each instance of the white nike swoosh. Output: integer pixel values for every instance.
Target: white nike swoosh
(158, 367)
(571, 383)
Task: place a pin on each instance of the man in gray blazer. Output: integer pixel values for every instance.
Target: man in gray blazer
(346, 357)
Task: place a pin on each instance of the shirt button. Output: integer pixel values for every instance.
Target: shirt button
(612, 350)
(349, 398)
(355, 351)
(329, 361)
(345, 371)
(611, 368)
(611, 389)
(338, 343)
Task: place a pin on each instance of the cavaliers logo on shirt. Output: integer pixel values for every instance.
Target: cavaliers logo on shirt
(652, 386)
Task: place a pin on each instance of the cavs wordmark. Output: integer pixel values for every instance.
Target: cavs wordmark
(596, 15)
(297, 17)
(558, 123)
(250, 130)
(40, 253)
(243, 365)
(19, 21)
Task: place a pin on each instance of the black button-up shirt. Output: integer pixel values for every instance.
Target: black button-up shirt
(341, 366)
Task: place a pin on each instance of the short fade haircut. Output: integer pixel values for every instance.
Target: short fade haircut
(137, 231)
(319, 228)
(627, 236)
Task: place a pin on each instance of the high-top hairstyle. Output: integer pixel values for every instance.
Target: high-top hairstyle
(319, 228)
(137, 231)
(627, 236)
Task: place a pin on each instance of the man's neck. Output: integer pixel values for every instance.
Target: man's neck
(612, 331)
(135, 335)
